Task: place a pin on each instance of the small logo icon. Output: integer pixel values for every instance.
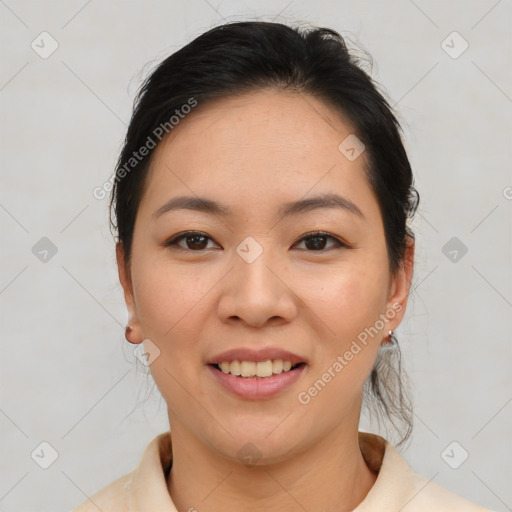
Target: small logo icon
(249, 454)
(454, 455)
(351, 147)
(44, 45)
(454, 249)
(146, 352)
(44, 455)
(249, 249)
(454, 45)
(44, 250)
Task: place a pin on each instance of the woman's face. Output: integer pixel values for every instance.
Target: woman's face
(253, 281)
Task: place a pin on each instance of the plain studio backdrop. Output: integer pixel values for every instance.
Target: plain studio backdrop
(76, 407)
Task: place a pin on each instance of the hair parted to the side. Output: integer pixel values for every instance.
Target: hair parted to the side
(242, 57)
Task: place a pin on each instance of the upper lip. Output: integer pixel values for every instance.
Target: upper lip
(248, 354)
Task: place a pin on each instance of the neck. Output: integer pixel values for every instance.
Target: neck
(329, 475)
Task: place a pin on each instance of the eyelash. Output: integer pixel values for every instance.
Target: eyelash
(172, 242)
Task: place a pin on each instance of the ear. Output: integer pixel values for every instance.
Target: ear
(126, 283)
(400, 287)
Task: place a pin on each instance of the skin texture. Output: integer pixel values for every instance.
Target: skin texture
(253, 153)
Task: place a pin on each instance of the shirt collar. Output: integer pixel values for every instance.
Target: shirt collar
(388, 494)
(390, 491)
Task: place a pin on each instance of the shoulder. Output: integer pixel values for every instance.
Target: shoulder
(143, 488)
(399, 487)
(112, 498)
(426, 495)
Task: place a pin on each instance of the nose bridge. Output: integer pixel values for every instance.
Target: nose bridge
(256, 291)
(253, 268)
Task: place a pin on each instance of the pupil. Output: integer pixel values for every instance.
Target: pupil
(194, 239)
(316, 244)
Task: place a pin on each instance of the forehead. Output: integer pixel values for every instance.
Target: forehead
(267, 146)
(279, 121)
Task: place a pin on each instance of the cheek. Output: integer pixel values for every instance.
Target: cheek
(171, 314)
(349, 307)
(348, 298)
(167, 298)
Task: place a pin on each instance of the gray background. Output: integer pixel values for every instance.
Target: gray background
(67, 375)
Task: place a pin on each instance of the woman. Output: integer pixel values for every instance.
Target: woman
(261, 203)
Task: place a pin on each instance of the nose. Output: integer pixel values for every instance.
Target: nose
(257, 293)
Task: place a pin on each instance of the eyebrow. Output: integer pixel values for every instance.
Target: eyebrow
(209, 206)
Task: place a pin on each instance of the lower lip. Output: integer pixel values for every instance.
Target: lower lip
(257, 388)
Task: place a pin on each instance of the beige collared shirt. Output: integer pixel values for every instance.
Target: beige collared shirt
(397, 488)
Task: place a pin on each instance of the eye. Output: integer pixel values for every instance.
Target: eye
(317, 240)
(194, 241)
(197, 241)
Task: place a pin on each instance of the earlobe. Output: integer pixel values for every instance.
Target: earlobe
(129, 335)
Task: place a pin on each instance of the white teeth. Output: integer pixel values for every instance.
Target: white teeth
(247, 369)
(277, 366)
(252, 369)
